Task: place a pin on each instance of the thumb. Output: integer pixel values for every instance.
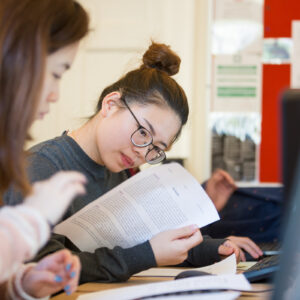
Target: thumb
(193, 240)
(184, 232)
(225, 250)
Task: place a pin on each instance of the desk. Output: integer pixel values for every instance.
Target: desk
(94, 287)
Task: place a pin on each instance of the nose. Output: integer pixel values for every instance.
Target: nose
(53, 97)
(141, 152)
(54, 93)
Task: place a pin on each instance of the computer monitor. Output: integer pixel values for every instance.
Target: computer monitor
(287, 279)
(290, 135)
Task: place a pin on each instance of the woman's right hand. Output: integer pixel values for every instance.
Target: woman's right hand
(171, 247)
(52, 196)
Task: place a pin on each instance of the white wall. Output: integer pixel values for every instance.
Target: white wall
(199, 160)
(121, 32)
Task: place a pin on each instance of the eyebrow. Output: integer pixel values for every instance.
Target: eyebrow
(153, 133)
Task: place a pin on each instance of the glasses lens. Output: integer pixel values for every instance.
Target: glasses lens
(155, 156)
(141, 137)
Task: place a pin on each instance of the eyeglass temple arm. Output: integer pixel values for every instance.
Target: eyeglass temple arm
(123, 99)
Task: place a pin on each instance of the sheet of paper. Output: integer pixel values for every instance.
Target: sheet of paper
(225, 266)
(245, 265)
(235, 282)
(154, 200)
(207, 296)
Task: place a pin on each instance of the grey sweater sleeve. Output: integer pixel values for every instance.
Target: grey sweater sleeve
(206, 253)
(105, 265)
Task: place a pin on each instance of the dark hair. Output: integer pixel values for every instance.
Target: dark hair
(151, 83)
(30, 30)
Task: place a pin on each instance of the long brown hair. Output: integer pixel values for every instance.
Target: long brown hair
(151, 83)
(30, 30)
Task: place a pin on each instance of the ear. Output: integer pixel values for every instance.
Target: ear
(110, 103)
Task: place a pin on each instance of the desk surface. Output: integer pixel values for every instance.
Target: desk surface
(94, 287)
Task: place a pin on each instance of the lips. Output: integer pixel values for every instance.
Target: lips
(42, 114)
(127, 161)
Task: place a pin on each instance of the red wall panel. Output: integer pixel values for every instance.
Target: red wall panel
(278, 15)
(275, 79)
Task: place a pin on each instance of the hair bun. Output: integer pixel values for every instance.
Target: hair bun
(161, 57)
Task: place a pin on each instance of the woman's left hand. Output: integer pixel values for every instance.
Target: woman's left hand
(246, 244)
(57, 271)
(228, 248)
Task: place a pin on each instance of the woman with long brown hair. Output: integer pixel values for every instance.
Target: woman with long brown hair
(38, 42)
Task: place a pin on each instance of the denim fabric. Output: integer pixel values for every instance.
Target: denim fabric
(252, 212)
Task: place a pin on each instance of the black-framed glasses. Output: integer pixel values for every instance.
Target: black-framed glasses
(143, 138)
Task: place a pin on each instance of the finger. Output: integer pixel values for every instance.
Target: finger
(251, 251)
(248, 245)
(236, 249)
(65, 177)
(54, 262)
(242, 255)
(229, 180)
(254, 247)
(74, 274)
(72, 190)
(71, 273)
(227, 177)
(225, 250)
(237, 252)
(193, 240)
(183, 232)
(49, 279)
(66, 256)
(65, 269)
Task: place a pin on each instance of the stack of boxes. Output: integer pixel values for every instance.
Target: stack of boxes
(234, 156)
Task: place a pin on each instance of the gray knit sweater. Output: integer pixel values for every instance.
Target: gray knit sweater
(103, 265)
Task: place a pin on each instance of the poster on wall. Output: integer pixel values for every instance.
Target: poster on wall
(236, 87)
(237, 83)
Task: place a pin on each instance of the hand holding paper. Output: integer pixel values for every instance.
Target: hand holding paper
(171, 247)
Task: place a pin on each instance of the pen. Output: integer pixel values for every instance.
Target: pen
(272, 252)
